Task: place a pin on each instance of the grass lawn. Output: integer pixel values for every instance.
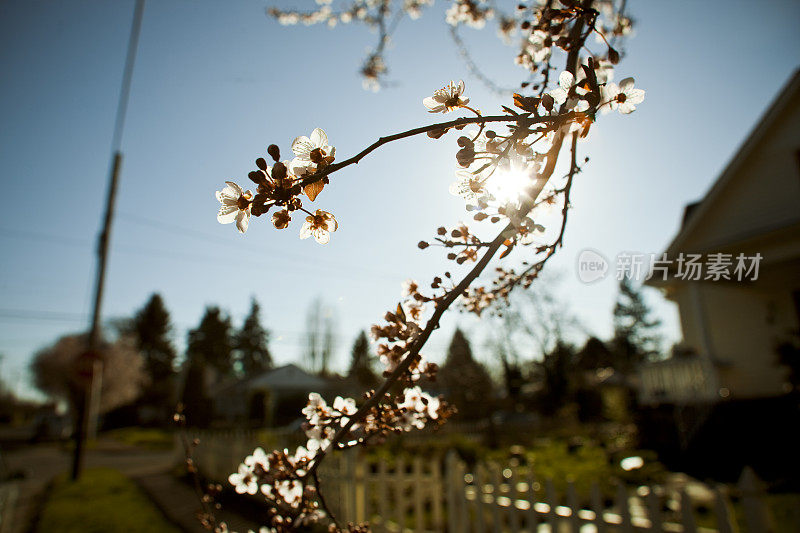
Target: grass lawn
(147, 438)
(102, 501)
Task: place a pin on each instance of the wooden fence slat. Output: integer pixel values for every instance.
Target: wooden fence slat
(400, 493)
(360, 489)
(654, 511)
(755, 513)
(687, 513)
(624, 509)
(497, 483)
(418, 488)
(551, 499)
(453, 485)
(461, 497)
(480, 519)
(598, 507)
(513, 493)
(436, 493)
(533, 516)
(723, 511)
(572, 503)
(383, 500)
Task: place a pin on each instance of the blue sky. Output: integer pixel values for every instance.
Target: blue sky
(215, 83)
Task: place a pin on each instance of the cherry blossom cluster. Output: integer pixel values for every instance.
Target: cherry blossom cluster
(280, 186)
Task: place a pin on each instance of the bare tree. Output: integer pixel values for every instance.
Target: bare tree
(320, 336)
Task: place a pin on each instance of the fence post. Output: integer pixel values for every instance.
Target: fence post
(755, 512)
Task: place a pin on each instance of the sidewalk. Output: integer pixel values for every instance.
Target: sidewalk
(149, 469)
(178, 502)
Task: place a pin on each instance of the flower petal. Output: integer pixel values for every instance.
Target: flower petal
(243, 220)
(302, 147)
(319, 138)
(635, 96)
(626, 84)
(565, 80)
(322, 236)
(227, 214)
(305, 231)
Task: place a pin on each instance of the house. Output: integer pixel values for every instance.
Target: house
(734, 271)
(273, 398)
(724, 399)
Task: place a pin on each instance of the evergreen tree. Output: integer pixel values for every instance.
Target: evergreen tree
(151, 331)
(209, 349)
(252, 340)
(361, 362)
(196, 405)
(594, 355)
(468, 384)
(558, 373)
(635, 336)
(212, 342)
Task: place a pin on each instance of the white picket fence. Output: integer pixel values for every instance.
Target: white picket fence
(434, 494)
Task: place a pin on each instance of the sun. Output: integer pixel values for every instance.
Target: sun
(509, 185)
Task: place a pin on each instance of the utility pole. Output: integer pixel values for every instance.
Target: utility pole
(86, 415)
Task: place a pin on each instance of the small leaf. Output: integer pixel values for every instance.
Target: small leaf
(312, 190)
(400, 313)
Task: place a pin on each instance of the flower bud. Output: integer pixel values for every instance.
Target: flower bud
(274, 152)
(465, 157)
(279, 171)
(261, 163)
(465, 142)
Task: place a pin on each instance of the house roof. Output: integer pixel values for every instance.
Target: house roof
(287, 377)
(696, 212)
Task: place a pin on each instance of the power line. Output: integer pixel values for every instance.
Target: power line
(169, 227)
(298, 262)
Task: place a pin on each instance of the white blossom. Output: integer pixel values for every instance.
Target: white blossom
(319, 225)
(309, 151)
(235, 206)
(623, 97)
(447, 98)
(244, 481)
